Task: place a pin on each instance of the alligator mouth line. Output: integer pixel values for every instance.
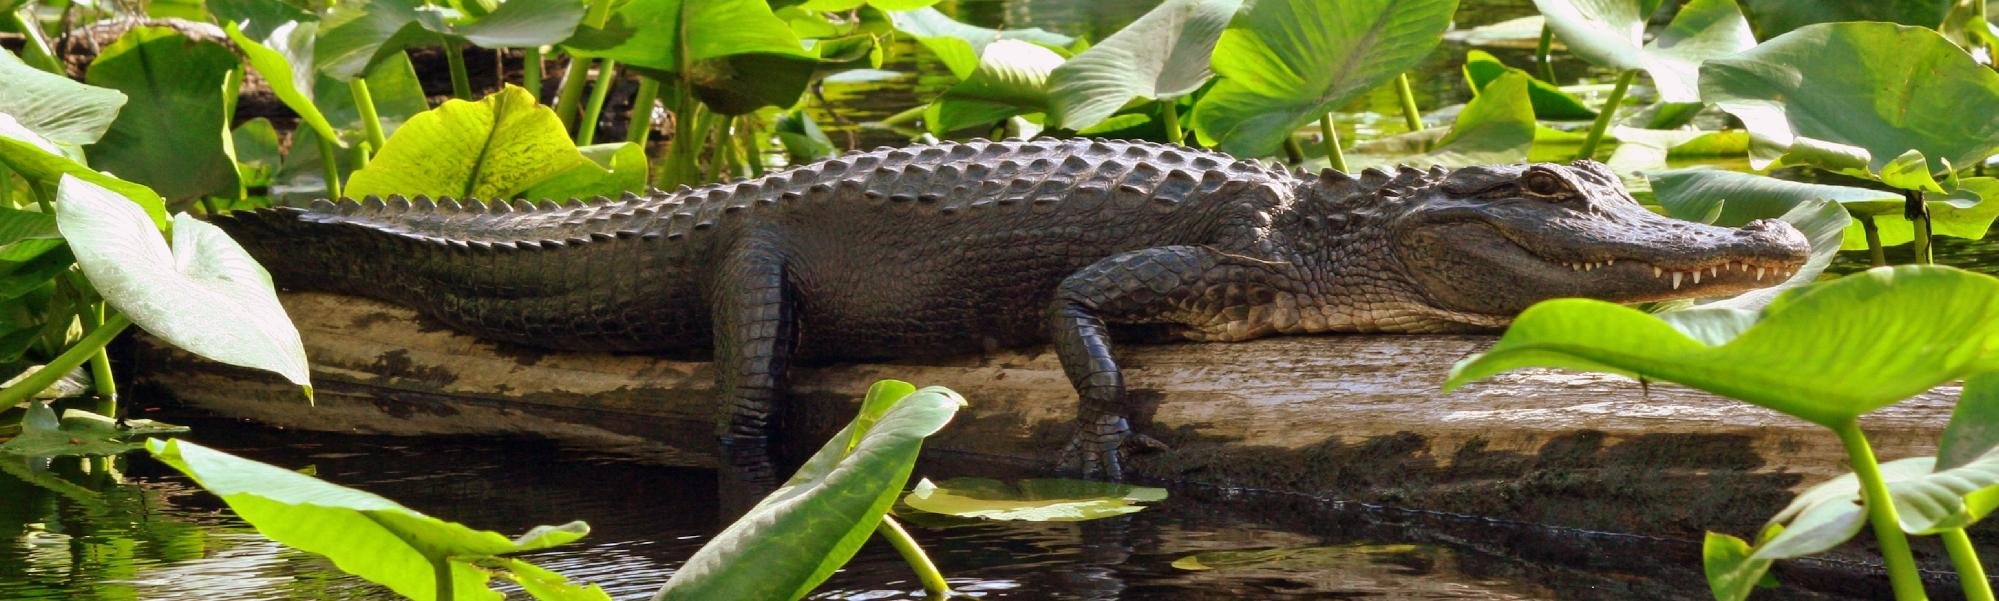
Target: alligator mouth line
(1679, 276)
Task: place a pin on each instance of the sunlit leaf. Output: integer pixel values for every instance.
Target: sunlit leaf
(1777, 17)
(1162, 55)
(1324, 559)
(1689, 193)
(1611, 33)
(1731, 571)
(958, 45)
(503, 146)
(206, 295)
(1012, 79)
(356, 36)
(285, 61)
(80, 433)
(174, 140)
(57, 108)
(1033, 500)
(40, 162)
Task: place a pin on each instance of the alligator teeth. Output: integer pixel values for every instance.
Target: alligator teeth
(1676, 280)
(1610, 261)
(1657, 272)
(1713, 271)
(1759, 274)
(1697, 276)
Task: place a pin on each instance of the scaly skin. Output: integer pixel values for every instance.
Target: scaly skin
(957, 248)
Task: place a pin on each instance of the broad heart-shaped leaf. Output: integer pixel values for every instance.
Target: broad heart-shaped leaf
(1611, 33)
(356, 36)
(1034, 500)
(364, 534)
(1913, 326)
(1497, 126)
(1732, 571)
(796, 537)
(285, 61)
(1012, 79)
(1482, 68)
(958, 45)
(175, 140)
(1974, 425)
(1772, 18)
(503, 146)
(40, 162)
(1162, 55)
(1285, 64)
(206, 295)
(1692, 193)
(674, 35)
(56, 108)
(1827, 95)
(79, 433)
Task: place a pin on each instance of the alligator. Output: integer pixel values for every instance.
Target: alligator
(964, 247)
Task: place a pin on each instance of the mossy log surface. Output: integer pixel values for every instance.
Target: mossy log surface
(1353, 418)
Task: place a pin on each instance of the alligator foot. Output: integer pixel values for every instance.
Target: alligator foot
(1099, 446)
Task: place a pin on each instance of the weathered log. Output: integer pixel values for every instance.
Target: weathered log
(1335, 417)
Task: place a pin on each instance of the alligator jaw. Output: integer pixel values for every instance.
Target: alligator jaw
(1679, 279)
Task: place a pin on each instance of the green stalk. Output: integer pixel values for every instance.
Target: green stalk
(719, 151)
(331, 164)
(1602, 123)
(908, 116)
(1970, 573)
(1332, 139)
(607, 76)
(680, 166)
(1879, 254)
(638, 126)
(1544, 55)
(35, 50)
(441, 567)
(926, 572)
(1901, 564)
(570, 94)
(100, 363)
(1410, 115)
(364, 103)
(1170, 112)
(1979, 10)
(461, 84)
(1922, 238)
(90, 346)
(531, 71)
(747, 145)
(1294, 153)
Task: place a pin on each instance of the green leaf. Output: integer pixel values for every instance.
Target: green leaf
(1611, 33)
(796, 537)
(1012, 79)
(17, 225)
(79, 433)
(285, 61)
(1913, 326)
(392, 83)
(958, 45)
(1828, 96)
(1772, 18)
(547, 585)
(1161, 56)
(803, 141)
(674, 35)
(1974, 425)
(1032, 500)
(1323, 559)
(504, 146)
(56, 108)
(41, 163)
(1550, 102)
(257, 154)
(206, 296)
(1731, 571)
(1690, 193)
(175, 140)
(355, 37)
(1286, 64)
(364, 534)
(258, 17)
(1495, 127)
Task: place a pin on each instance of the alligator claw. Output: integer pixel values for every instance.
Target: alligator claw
(1097, 449)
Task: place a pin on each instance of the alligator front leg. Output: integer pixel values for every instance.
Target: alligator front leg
(756, 332)
(1186, 286)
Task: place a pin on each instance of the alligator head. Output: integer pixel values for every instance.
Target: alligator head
(1480, 244)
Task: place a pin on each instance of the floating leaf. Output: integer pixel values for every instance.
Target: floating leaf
(206, 295)
(1295, 559)
(54, 107)
(503, 146)
(1829, 96)
(1161, 56)
(1914, 327)
(175, 140)
(1550, 102)
(1286, 64)
(364, 534)
(79, 433)
(1611, 33)
(1034, 500)
(796, 537)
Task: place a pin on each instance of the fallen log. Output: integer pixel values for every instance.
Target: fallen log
(1357, 418)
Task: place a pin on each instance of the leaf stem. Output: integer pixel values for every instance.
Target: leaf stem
(719, 152)
(330, 164)
(1411, 117)
(933, 580)
(1970, 573)
(77, 354)
(441, 568)
(570, 94)
(1602, 124)
(1873, 232)
(607, 76)
(531, 71)
(1331, 136)
(100, 362)
(364, 102)
(638, 125)
(35, 49)
(1901, 564)
(746, 140)
(1169, 111)
(461, 84)
(1544, 54)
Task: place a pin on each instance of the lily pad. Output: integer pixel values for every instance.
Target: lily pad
(79, 433)
(1161, 56)
(1611, 33)
(1296, 559)
(1033, 500)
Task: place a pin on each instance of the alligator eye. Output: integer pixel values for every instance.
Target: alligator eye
(1542, 184)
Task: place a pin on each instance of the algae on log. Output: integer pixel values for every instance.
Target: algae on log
(1337, 417)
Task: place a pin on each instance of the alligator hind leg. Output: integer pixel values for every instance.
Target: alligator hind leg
(756, 332)
(1187, 286)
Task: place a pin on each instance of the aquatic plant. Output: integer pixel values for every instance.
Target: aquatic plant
(1912, 327)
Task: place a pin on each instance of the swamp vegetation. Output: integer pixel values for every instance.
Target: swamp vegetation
(1871, 126)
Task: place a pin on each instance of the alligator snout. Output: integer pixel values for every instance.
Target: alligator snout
(1774, 239)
